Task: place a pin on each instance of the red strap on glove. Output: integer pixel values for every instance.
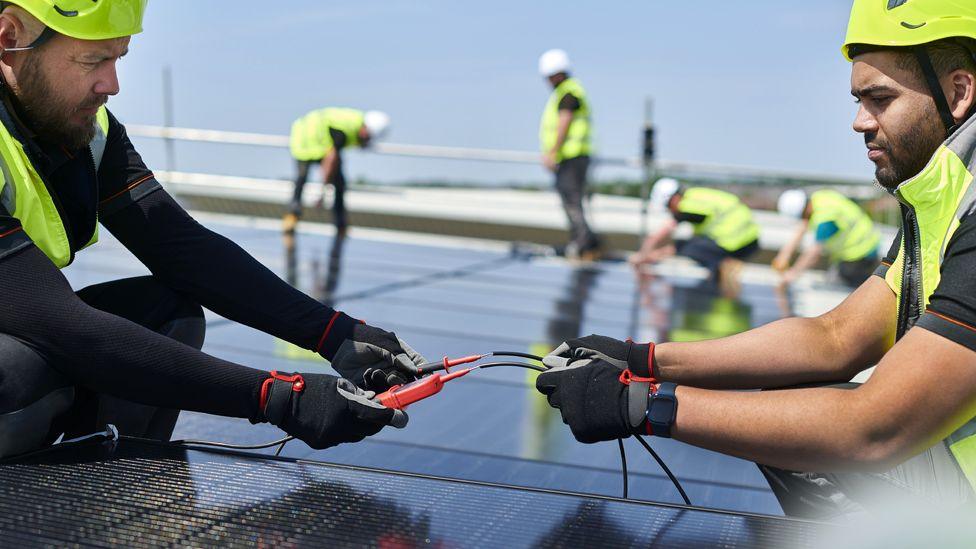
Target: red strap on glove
(626, 377)
(296, 380)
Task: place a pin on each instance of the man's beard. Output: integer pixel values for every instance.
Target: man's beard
(49, 116)
(917, 146)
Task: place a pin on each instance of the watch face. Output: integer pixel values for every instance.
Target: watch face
(662, 409)
(662, 412)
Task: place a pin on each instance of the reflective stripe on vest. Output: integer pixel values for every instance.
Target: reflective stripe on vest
(933, 203)
(577, 141)
(310, 138)
(25, 195)
(856, 237)
(727, 220)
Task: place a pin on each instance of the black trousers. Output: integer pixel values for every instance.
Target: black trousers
(854, 273)
(571, 185)
(339, 216)
(38, 403)
(707, 253)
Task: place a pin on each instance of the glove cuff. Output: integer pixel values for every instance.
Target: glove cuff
(639, 377)
(276, 394)
(338, 329)
(640, 360)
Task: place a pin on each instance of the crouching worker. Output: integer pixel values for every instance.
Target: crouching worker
(724, 232)
(841, 229)
(127, 352)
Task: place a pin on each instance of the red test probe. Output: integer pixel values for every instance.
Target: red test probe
(401, 396)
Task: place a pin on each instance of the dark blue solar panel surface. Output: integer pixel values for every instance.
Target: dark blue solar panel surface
(492, 425)
(144, 494)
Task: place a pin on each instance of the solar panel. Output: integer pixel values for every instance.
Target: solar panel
(460, 300)
(143, 494)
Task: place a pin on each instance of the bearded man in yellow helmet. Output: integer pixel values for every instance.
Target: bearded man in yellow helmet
(908, 434)
(127, 352)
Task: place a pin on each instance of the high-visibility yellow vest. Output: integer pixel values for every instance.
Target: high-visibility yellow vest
(25, 196)
(577, 141)
(933, 202)
(856, 237)
(310, 138)
(727, 220)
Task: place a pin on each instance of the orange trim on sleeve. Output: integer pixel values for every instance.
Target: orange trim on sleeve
(11, 231)
(952, 320)
(885, 263)
(127, 189)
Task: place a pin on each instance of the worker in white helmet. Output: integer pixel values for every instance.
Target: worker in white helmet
(841, 229)
(319, 137)
(724, 231)
(564, 134)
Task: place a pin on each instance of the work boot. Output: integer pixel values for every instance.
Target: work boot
(571, 251)
(592, 254)
(288, 223)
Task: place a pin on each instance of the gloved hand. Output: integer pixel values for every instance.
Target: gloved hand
(592, 399)
(637, 357)
(376, 359)
(323, 410)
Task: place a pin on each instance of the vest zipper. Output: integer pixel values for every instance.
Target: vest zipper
(911, 299)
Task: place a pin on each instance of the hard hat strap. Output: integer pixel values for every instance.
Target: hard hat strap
(45, 35)
(922, 54)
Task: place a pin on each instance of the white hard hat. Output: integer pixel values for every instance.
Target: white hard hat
(376, 122)
(792, 203)
(663, 190)
(553, 62)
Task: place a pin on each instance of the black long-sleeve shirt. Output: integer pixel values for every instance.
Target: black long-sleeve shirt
(112, 355)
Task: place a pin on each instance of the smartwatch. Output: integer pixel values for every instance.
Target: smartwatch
(662, 408)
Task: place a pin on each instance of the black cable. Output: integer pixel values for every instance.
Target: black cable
(281, 441)
(664, 467)
(516, 353)
(515, 364)
(620, 443)
(623, 463)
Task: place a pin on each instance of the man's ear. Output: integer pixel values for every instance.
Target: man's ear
(11, 29)
(962, 95)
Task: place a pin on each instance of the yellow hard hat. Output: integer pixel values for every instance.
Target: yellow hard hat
(88, 19)
(904, 23)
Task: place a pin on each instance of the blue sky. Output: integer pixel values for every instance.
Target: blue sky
(758, 83)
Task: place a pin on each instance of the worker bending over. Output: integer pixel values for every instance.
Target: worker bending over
(320, 137)
(840, 227)
(724, 232)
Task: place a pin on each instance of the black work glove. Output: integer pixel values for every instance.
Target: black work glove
(636, 357)
(324, 410)
(592, 399)
(376, 359)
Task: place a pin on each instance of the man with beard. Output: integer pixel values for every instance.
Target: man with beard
(127, 352)
(908, 434)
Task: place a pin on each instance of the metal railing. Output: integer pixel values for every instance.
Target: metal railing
(760, 185)
(693, 170)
